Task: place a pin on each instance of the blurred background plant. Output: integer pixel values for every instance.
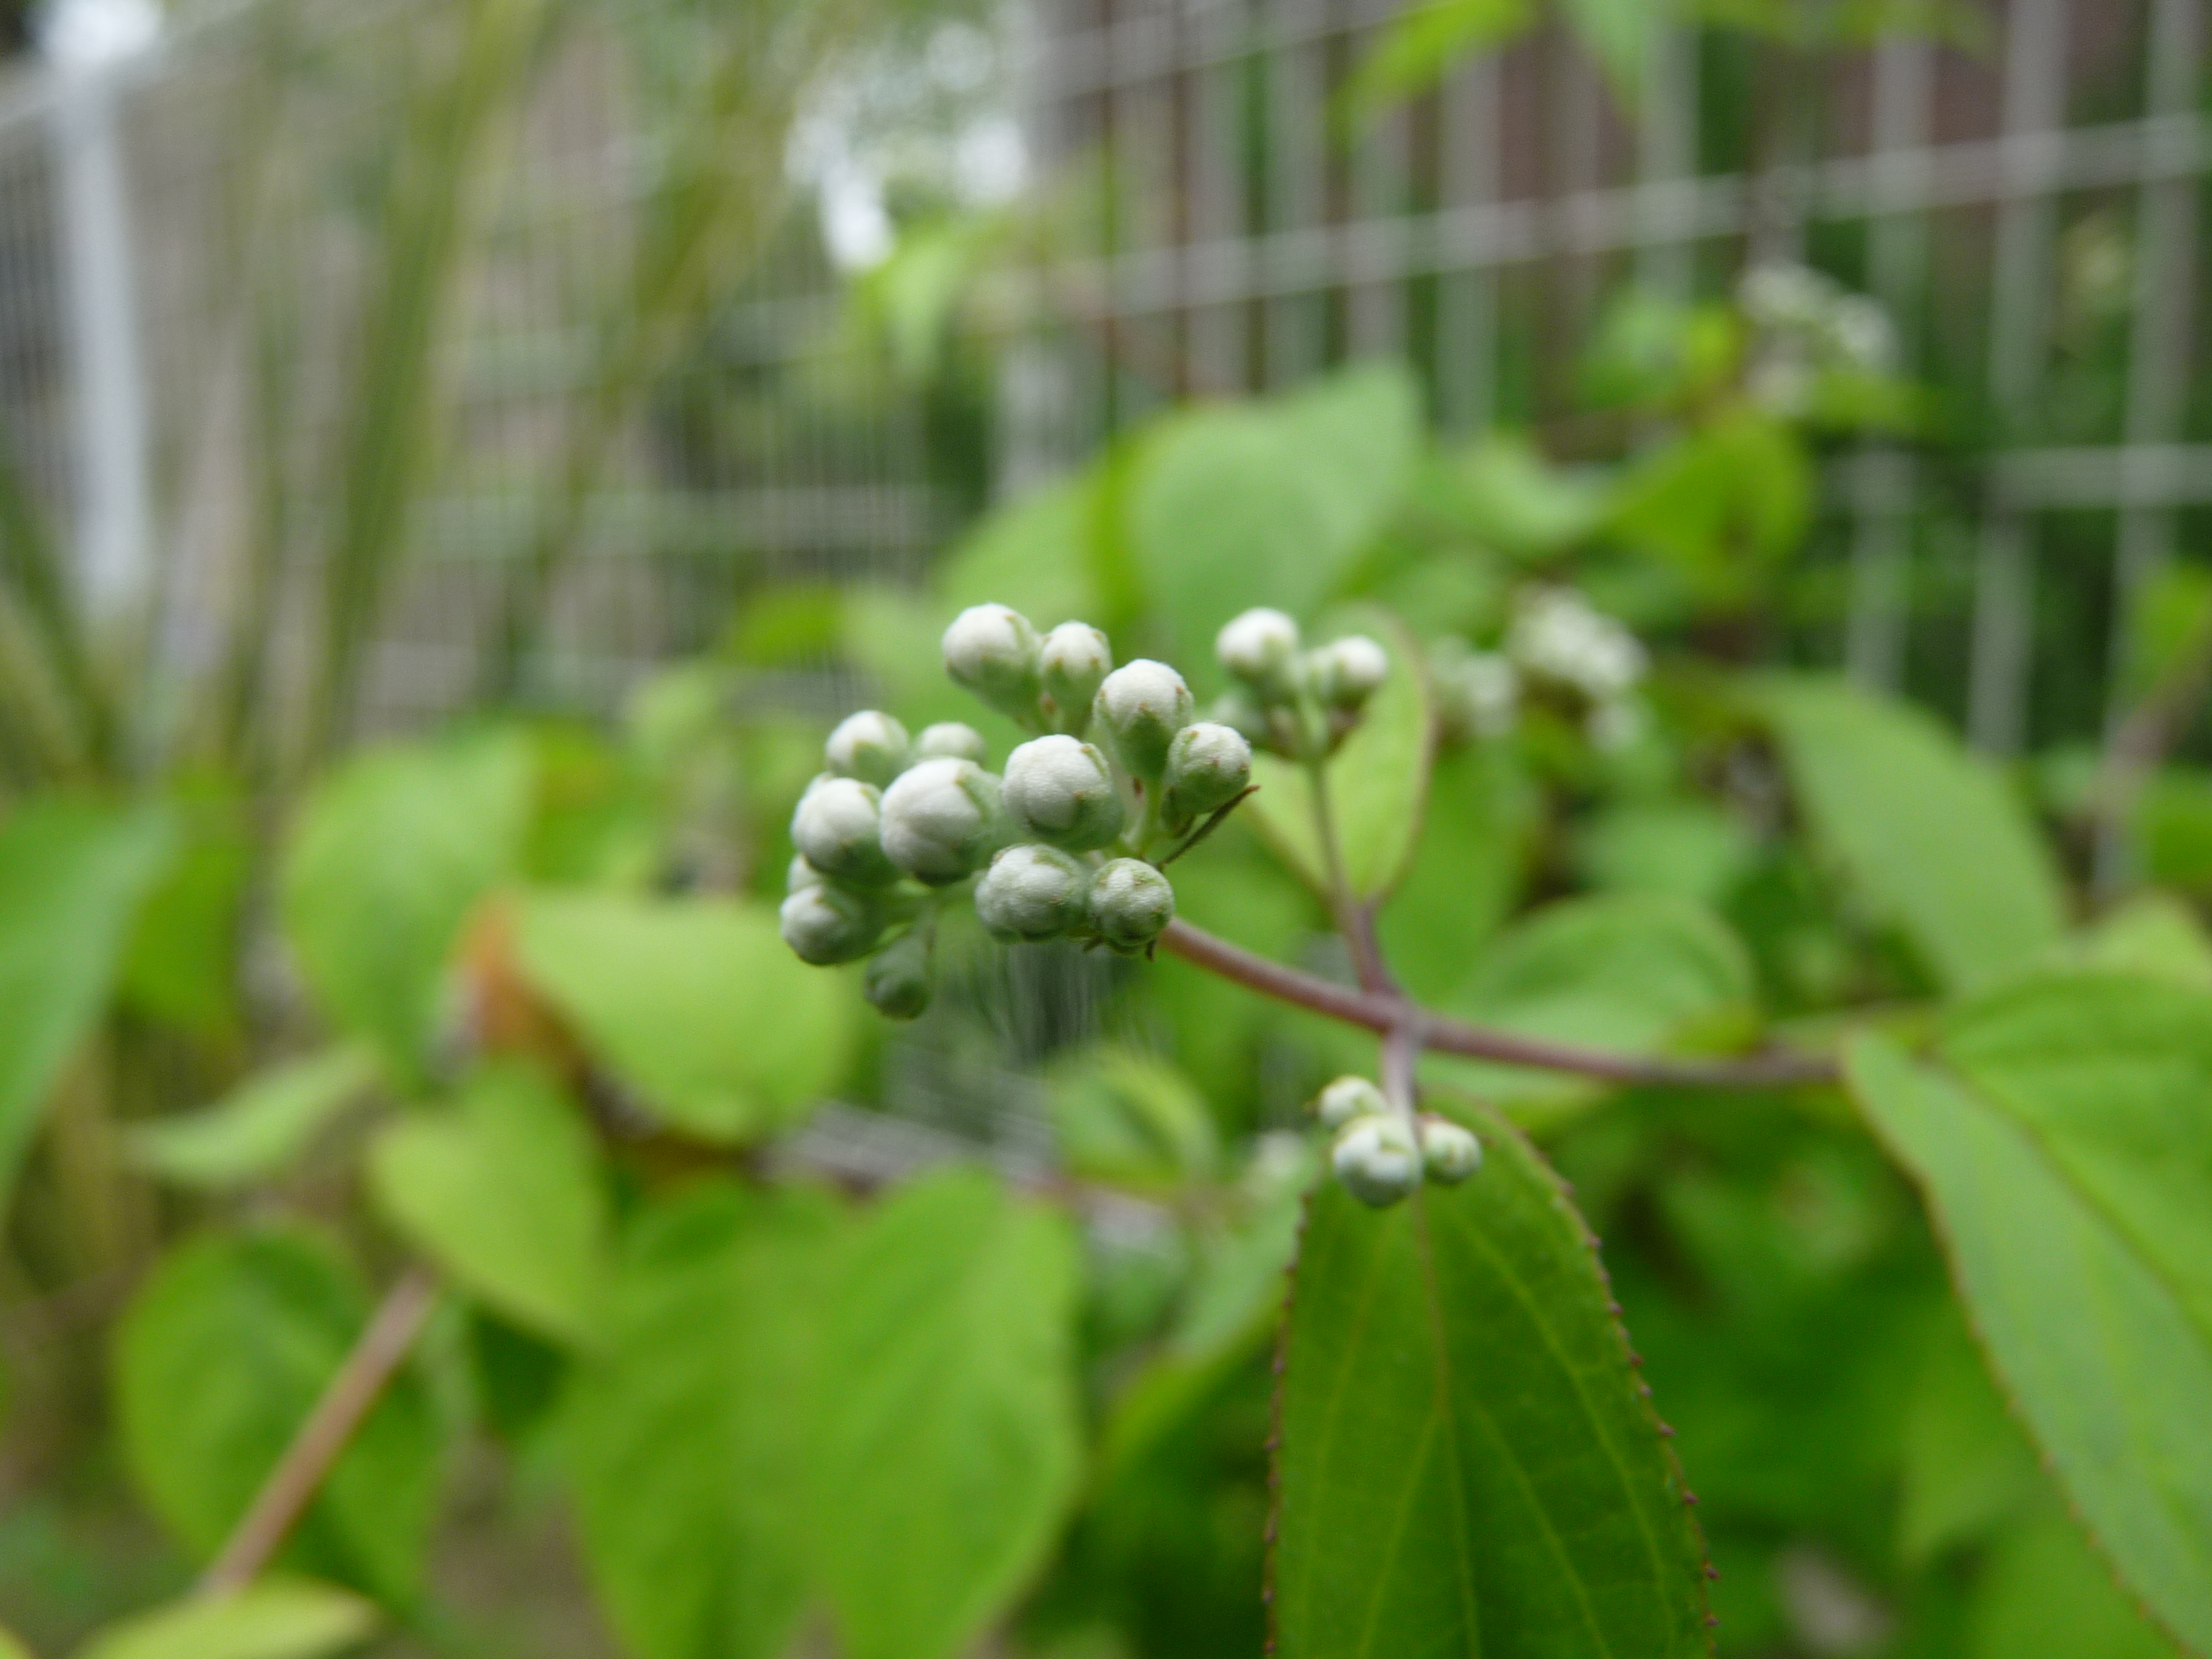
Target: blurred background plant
(548, 415)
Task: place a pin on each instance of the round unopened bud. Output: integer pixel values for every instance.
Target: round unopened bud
(1209, 765)
(1130, 903)
(1260, 647)
(898, 981)
(838, 828)
(951, 740)
(1075, 661)
(1347, 671)
(1346, 1099)
(870, 745)
(1032, 892)
(1142, 705)
(1376, 1159)
(826, 924)
(992, 650)
(941, 820)
(1450, 1153)
(1061, 790)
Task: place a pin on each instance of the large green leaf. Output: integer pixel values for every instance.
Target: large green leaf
(1377, 781)
(1266, 503)
(181, 966)
(72, 875)
(501, 1190)
(696, 1003)
(948, 1448)
(2041, 1592)
(1034, 554)
(1628, 973)
(2090, 1331)
(275, 1618)
(221, 1356)
(259, 1127)
(1466, 1464)
(1930, 837)
(1479, 829)
(387, 858)
(11, 1647)
(687, 1435)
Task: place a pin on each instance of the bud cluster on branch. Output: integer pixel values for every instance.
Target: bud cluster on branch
(1381, 1153)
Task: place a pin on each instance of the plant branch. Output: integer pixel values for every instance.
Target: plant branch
(1357, 928)
(1385, 1012)
(322, 1439)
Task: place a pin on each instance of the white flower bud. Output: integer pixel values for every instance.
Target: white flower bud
(942, 819)
(838, 828)
(1346, 672)
(1260, 647)
(1130, 903)
(1448, 1152)
(1489, 689)
(870, 745)
(1346, 1099)
(992, 650)
(798, 875)
(898, 981)
(1376, 1159)
(1075, 661)
(826, 924)
(1032, 892)
(1061, 790)
(1209, 765)
(1142, 705)
(951, 740)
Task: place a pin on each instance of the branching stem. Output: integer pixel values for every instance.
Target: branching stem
(1385, 1012)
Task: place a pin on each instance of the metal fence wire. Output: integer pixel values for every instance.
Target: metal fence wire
(2024, 203)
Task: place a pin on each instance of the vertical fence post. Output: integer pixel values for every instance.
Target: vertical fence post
(90, 46)
(1666, 152)
(1466, 301)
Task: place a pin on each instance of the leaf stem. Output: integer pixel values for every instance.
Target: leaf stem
(1358, 927)
(1389, 1011)
(322, 1439)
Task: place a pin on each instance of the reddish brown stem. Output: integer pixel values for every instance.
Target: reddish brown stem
(1447, 1036)
(322, 1439)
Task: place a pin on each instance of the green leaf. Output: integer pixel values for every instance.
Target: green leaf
(11, 1647)
(260, 1126)
(218, 1360)
(2043, 1592)
(696, 1003)
(1034, 554)
(275, 1618)
(1424, 43)
(1928, 836)
(1377, 781)
(1479, 829)
(1125, 1116)
(502, 1192)
(689, 1434)
(948, 1449)
(1628, 973)
(1266, 503)
(1467, 1464)
(181, 966)
(72, 875)
(2089, 1333)
(2153, 935)
(1618, 34)
(1505, 494)
(387, 858)
(1967, 1468)
(1718, 508)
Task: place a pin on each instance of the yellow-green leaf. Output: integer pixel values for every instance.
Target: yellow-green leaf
(275, 1618)
(259, 1127)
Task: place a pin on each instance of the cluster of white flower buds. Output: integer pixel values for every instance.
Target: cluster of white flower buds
(1807, 322)
(1381, 1155)
(1067, 843)
(1559, 647)
(1299, 704)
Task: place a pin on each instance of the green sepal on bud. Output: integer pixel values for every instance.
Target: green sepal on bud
(1074, 661)
(1260, 647)
(1061, 790)
(899, 978)
(1033, 893)
(1377, 1159)
(951, 740)
(838, 828)
(1448, 1152)
(1345, 673)
(871, 746)
(1130, 904)
(992, 650)
(1349, 1098)
(1209, 765)
(1140, 708)
(825, 925)
(942, 818)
